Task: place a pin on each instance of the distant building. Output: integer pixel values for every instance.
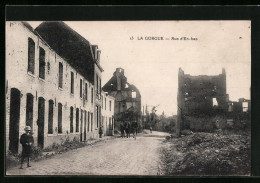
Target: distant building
(200, 97)
(53, 84)
(127, 98)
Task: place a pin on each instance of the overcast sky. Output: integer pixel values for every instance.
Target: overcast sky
(152, 65)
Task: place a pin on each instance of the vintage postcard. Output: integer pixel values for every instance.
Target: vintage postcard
(135, 98)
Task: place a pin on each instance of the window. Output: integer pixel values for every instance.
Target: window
(100, 86)
(245, 106)
(86, 91)
(133, 94)
(230, 107)
(60, 74)
(102, 101)
(71, 119)
(92, 95)
(97, 115)
(72, 83)
(31, 55)
(97, 85)
(80, 88)
(110, 105)
(59, 118)
(29, 110)
(91, 121)
(215, 102)
(77, 120)
(42, 63)
(50, 118)
(105, 103)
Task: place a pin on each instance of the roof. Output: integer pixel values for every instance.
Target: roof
(111, 85)
(26, 24)
(70, 45)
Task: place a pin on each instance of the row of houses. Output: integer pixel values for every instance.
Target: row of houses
(53, 84)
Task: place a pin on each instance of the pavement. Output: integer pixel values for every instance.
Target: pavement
(116, 156)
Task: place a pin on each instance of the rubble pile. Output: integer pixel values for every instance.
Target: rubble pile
(209, 154)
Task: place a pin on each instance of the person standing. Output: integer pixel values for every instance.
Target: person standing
(122, 129)
(100, 132)
(134, 128)
(27, 141)
(127, 129)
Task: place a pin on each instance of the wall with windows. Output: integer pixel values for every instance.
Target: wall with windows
(97, 90)
(107, 110)
(34, 71)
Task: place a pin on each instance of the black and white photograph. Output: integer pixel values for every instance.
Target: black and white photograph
(128, 98)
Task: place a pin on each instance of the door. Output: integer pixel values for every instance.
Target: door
(85, 126)
(14, 120)
(40, 122)
(81, 123)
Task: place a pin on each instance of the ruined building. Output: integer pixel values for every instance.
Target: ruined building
(201, 100)
(127, 98)
(239, 111)
(53, 84)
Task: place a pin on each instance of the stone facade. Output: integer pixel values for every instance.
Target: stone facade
(45, 91)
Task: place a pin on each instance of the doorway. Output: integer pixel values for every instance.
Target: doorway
(85, 125)
(81, 123)
(40, 122)
(14, 120)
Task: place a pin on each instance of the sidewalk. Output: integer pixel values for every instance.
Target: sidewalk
(50, 154)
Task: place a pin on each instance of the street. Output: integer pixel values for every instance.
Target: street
(109, 157)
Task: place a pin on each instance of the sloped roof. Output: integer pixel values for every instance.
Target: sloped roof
(70, 45)
(26, 24)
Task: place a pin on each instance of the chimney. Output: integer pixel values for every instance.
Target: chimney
(98, 55)
(94, 49)
(120, 70)
(223, 71)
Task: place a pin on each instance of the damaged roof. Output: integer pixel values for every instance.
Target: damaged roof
(70, 45)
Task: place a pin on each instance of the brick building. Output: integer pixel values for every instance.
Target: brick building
(200, 97)
(53, 84)
(127, 98)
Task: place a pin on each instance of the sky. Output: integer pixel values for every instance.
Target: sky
(152, 65)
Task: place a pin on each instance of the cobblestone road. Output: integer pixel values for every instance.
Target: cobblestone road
(110, 157)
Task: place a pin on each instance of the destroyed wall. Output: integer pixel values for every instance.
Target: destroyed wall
(239, 114)
(199, 98)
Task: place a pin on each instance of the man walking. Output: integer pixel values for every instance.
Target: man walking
(127, 130)
(27, 141)
(122, 129)
(134, 128)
